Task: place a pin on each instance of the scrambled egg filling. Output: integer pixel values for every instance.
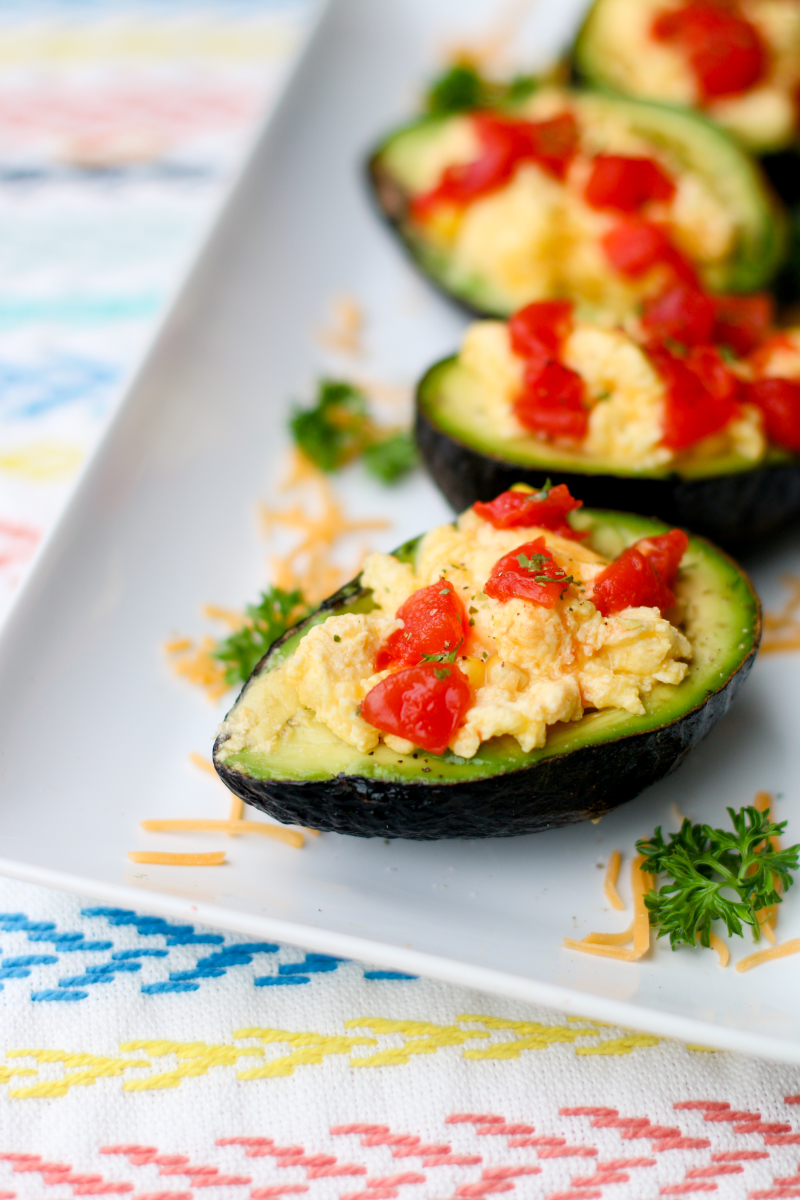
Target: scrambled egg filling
(530, 667)
(635, 62)
(538, 237)
(625, 393)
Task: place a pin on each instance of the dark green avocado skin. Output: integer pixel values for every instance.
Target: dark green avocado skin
(581, 785)
(735, 511)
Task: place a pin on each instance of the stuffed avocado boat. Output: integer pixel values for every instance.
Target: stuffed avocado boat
(738, 61)
(690, 412)
(533, 664)
(579, 195)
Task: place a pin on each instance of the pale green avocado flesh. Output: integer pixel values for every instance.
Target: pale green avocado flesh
(721, 621)
(451, 397)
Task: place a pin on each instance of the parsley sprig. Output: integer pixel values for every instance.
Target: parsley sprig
(462, 88)
(264, 623)
(339, 428)
(539, 565)
(716, 874)
(444, 656)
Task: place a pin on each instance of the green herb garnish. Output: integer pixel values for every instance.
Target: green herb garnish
(462, 88)
(339, 428)
(264, 623)
(392, 457)
(716, 874)
(444, 656)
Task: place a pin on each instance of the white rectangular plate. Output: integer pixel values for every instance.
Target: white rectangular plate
(96, 731)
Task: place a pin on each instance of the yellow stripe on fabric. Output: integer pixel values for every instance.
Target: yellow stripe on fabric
(91, 1068)
(308, 1048)
(244, 42)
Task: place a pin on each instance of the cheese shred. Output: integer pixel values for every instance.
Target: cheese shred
(641, 884)
(177, 860)
(610, 939)
(723, 953)
(610, 885)
(292, 837)
(603, 951)
(205, 764)
(782, 950)
(782, 629)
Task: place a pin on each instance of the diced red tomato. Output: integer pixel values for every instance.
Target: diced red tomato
(692, 410)
(779, 401)
(424, 704)
(725, 52)
(742, 322)
(551, 401)
(539, 330)
(626, 184)
(683, 313)
(665, 552)
(634, 246)
(504, 145)
(548, 510)
(434, 622)
(527, 573)
(716, 377)
(631, 581)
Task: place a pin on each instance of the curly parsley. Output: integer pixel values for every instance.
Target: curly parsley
(716, 874)
(462, 88)
(339, 428)
(264, 623)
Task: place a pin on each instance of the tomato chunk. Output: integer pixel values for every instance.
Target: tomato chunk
(779, 401)
(626, 184)
(434, 622)
(631, 581)
(424, 704)
(538, 330)
(551, 401)
(665, 552)
(548, 509)
(634, 246)
(699, 400)
(504, 145)
(742, 322)
(528, 573)
(683, 313)
(725, 52)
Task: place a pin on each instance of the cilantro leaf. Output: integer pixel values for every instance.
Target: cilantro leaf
(264, 623)
(716, 874)
(392, 457)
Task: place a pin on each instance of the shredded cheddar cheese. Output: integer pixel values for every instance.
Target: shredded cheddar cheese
(604, 951)
(194, 662)
(344, 332)
(237, 809)
(610, 939)
(610, 885)
(291, 837)
(782, 950)
(721, 948)
(641, 884)
(205, 764)
(177, 860)
(782, 629)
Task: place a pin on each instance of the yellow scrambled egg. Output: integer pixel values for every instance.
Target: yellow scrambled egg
(537, 237)
(625, 393)
(529, 666)
(764, 116)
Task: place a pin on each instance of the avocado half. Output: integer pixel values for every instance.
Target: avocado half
(596, 61)
(729, 499)
(702, 147)
(586, 768)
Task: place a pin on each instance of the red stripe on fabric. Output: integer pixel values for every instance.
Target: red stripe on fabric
(710, 1105)
(738, 1155)
(587, 1111)
(453, 1160)
(474, 1119)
